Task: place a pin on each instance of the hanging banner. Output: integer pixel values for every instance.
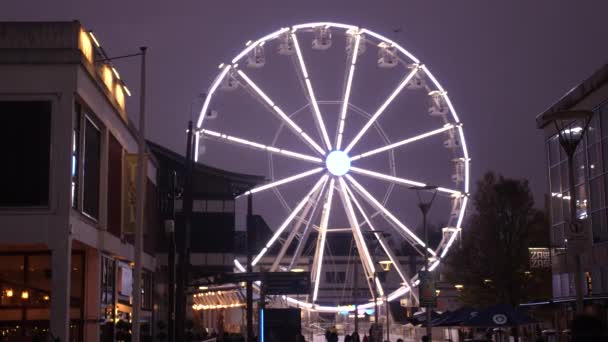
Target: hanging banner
(129, 209)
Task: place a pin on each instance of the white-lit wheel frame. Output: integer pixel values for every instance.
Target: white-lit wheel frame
(332, 186)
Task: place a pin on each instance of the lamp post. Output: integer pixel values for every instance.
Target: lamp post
(570, 127)
(425, 207)
(385, 267)
(140, 188)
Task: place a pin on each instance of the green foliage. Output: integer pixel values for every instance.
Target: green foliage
(493, 263)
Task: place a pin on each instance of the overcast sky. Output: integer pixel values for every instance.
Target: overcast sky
(502, 62)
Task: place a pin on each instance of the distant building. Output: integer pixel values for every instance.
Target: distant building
(591, 181)
(66, 209)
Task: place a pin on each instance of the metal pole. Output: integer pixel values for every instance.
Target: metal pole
(356, 295)
(425, 209)
(141, 201)
(388, 323)
(184, 255)
(250, 246)
(171, 262)
(578, 281)
(375, 302)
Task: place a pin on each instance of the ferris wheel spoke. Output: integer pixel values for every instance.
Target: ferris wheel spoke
(311, 94)
(299, 132)
(347, 90)
(392, 257)
(412, 238)
(402, 181)
(284, 181)
(359, 239)
(307, 229)
(318, 259)
(290, 218)
(208, 134)
(381, 109)
(292, 234)
(446, 127)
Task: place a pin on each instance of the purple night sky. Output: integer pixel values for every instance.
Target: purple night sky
(502, 62)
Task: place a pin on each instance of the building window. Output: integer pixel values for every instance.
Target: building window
(26, 138)
(147, 290)
(335, 277)
(115, 170)
(75, 157)
(91, 170)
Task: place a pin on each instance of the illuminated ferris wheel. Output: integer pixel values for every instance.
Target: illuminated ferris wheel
(336, 163)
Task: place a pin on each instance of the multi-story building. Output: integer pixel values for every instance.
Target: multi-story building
(591, 184)
(66, 205)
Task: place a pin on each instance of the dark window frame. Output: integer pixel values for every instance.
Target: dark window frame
(51, 101)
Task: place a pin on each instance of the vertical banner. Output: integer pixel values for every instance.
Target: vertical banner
(130, 192)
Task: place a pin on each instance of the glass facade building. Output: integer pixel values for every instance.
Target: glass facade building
(590, 185)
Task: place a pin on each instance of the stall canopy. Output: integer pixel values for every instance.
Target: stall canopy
(499, 316)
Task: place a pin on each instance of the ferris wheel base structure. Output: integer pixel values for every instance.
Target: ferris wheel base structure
(333, 160)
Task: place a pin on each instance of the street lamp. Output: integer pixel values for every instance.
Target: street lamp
(140, 186)
(385, 264)
(425, 207)
(570, 126)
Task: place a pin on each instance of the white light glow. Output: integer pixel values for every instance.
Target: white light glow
(381, 109)
(337, 163)
(251, 46)
(346, 98)
(271, 149)
(447, 127)
(392, 43)
(212, 90)
(94, 39)
(323, 230)
(311, 93)
(403, 181)
(290, 218)
(380, 207)
(383, 244)
(284, 181)
(328, 24)
(292, 125)
(359, 239)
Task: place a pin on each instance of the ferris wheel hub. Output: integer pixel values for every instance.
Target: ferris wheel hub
(338, 163)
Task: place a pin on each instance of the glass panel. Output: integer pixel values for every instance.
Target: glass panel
(92, 163)
(579, 168)
(564, 175)
(554, 149)
(556, 209)
(596, 191)
(11, 279)
(598, 220)
(558, 235)
(554, 174)
(604, 114)
(75, 156)
(581, 201)
(566, 205)
(39, 279)
(595, 160)
(228, 206)
(215, 206)
(26, 142)
(593, 130)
